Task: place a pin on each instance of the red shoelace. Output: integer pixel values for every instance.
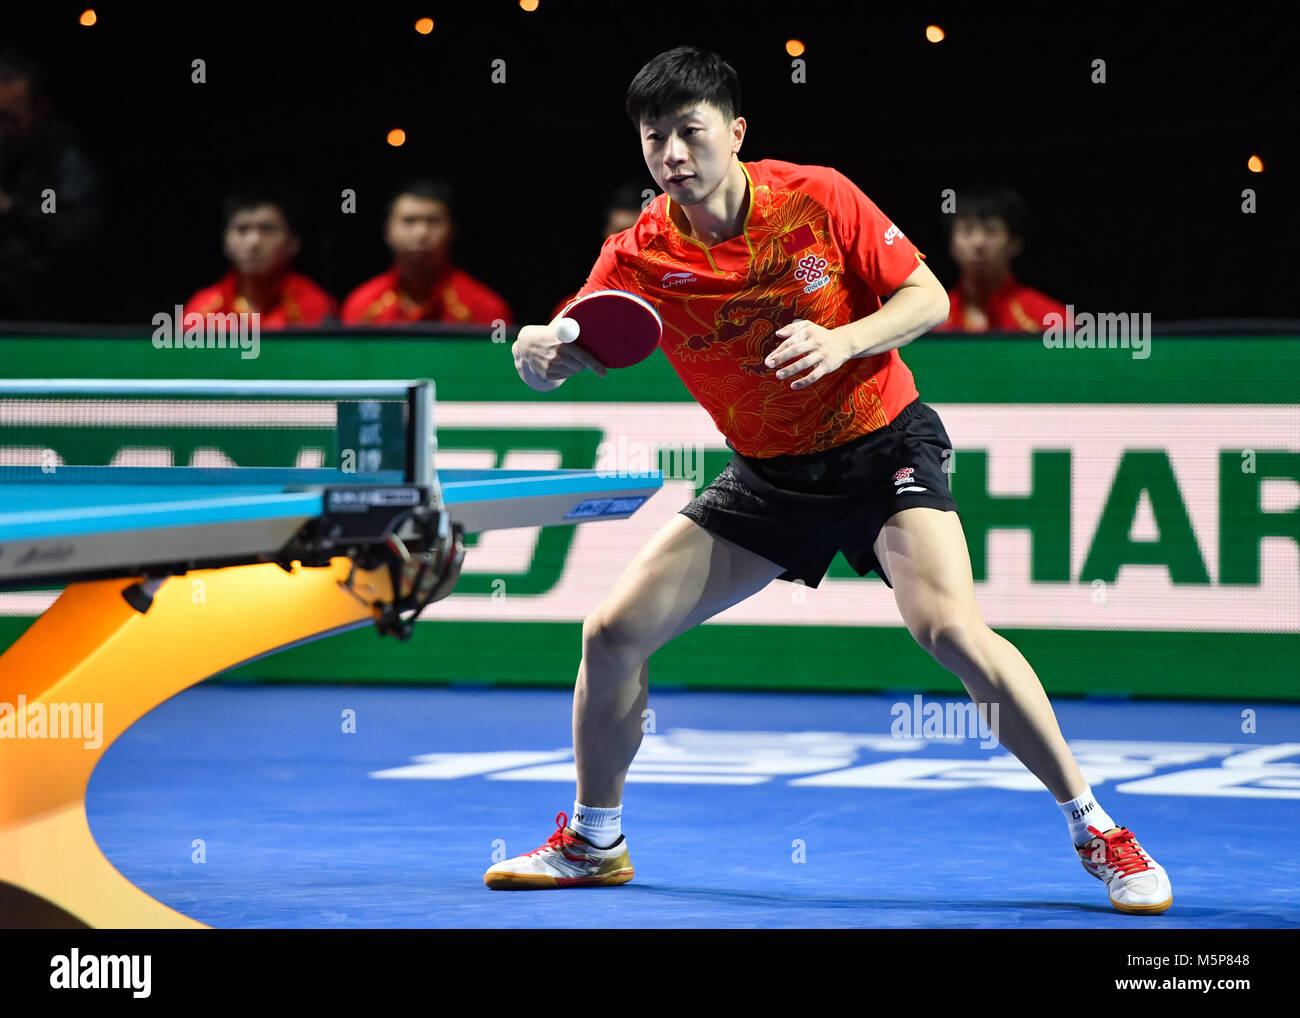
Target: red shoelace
(1123, 854)
(559, 840)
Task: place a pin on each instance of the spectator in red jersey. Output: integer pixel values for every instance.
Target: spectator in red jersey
(261, 242)
(622, 212)
(424, 285)
(987, 234)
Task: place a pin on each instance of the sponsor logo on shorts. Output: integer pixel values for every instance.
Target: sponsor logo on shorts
(903, 477)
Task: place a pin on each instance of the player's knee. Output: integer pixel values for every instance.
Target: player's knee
(950, 640)
(614, 635)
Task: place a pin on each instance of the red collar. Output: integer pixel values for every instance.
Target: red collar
(229, 286)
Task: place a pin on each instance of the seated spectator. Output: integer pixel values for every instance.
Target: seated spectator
(622, 212)
(423, 285)
(46, 239)
(987, 234)
(260, 241)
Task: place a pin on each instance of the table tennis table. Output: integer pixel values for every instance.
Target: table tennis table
(92, 522)
(176, 573)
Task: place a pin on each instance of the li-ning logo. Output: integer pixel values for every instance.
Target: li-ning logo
(892, 234)
(677, 279)
(812, 270)
(904, 477)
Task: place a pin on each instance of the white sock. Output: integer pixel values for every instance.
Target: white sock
(602, 827)
(1085, 812)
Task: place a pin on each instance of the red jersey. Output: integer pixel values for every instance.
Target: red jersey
(298, 301)
(455, 296)
(813, 247)
(1012, 307)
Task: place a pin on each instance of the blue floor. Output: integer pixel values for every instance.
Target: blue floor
(730, 816)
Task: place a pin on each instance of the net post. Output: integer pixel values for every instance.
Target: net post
(423, 448)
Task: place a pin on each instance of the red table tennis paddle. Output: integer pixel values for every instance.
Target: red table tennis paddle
(618, 328)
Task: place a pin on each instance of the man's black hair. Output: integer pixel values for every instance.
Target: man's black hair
(252, 198)
(680, 77)
(14, 66)
(994, 203)
(429, 189)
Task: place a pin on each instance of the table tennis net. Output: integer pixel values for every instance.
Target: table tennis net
(57, 435)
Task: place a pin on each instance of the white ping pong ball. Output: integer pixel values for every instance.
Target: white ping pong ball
(566, 330)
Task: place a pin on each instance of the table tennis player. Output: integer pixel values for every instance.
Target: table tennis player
(785, 296)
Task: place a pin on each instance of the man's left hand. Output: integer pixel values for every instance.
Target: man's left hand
(806, 346)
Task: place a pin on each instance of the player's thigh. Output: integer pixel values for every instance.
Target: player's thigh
(925, 556)
(682, 576)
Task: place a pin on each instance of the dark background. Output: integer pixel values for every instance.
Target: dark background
(1134, 186)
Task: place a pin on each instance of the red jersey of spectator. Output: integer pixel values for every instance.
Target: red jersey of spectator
(455, 296)
(813, 247)
(1012, 307)
(298, 301)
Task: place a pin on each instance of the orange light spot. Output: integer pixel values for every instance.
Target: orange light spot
(424, 26)
(528, 5)
(88, 17)
(934, 33)
(1255, 164)
(397, 137)
(794, 47)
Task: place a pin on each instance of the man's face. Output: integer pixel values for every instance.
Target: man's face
(620, 220)
(982, 246)
(17, 113)
(696, 145)
(259, 242)
(419, 230)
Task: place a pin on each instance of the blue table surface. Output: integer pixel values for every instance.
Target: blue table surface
(72, 500)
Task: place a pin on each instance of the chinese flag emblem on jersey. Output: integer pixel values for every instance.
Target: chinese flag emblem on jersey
(796, 240)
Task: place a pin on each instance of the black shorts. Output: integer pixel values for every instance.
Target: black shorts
(799, 510)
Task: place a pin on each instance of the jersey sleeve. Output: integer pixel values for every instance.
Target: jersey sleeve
(875, 249)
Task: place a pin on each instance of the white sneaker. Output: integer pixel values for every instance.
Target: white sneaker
(566, 860)
(1135, 882)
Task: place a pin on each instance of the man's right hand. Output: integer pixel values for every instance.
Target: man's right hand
(543, 362)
